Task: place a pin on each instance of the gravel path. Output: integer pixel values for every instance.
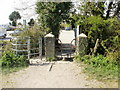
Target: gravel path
(62, 75)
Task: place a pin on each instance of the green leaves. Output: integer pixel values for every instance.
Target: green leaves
(10, 60)
(14, 16)
(51, 14)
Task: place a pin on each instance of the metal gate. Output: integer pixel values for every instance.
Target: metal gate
(65, 50)
(27, 46)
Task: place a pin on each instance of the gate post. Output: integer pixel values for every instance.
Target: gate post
(49, 46)
(82, 44)
(28, 47)
(40, 47)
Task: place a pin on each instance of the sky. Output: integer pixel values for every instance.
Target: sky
(8, 6)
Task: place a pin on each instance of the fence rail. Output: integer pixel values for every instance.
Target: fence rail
(26, 45)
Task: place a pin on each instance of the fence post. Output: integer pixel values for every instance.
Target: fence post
(16, 46)
(28, 46)
(40, 48)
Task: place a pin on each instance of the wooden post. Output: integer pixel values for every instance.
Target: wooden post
(28, 46)
(96, 46)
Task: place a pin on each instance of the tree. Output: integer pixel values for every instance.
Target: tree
(51, 14)
(104, 9)
(98, 20)
(14, 16)
(31, 23)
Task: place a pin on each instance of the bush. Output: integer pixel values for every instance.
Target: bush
(10, 60)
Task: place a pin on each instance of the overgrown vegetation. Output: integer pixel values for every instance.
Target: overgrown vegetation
(11, 62)
(99, 66)
(98, 25)
(97, 22)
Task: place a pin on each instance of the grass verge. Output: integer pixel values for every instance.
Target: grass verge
(99, 67)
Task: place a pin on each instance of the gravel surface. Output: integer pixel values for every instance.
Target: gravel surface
(63, 74)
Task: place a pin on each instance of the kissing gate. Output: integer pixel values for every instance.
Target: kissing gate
(61, 50)
(65, 50)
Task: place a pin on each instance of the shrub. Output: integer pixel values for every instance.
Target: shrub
(10, 60)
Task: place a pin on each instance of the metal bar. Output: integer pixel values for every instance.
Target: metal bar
(28, 46)
(34, 53)
(20, 50)
(34, 49)
(18, 44)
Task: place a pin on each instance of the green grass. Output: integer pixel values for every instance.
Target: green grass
(11, 70)
(99, 67)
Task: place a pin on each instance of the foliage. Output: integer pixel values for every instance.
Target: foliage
(14, 23)
(14, 16)
(51, 14)
(31, 23)
(33, 31)
(6, 46)
(51, 59)
(100, 66)
(96, 24)
(10, 60)
(107, 31)
(64, 25)
(103, 9)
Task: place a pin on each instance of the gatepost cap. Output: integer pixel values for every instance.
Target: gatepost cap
(49, 35)
(82, 35)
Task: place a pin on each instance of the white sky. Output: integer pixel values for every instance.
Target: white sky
(8, 6)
